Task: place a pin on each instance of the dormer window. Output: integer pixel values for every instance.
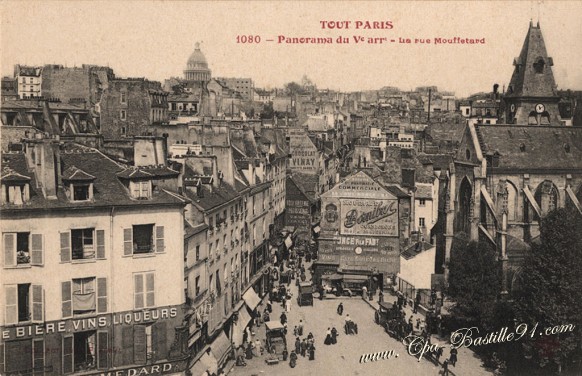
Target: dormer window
(79, 183)
(141, 190)
(16, 193)
(81, 192)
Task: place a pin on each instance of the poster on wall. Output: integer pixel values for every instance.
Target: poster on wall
(369, 217)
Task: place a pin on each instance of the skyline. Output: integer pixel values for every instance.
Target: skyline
(113, 34)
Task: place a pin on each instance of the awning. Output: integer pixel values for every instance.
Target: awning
(532, 200)
(574, 198)
(221, 347)
(288, 241)
(251, 298)
(354, 278)
(240, 326)
(206, 362)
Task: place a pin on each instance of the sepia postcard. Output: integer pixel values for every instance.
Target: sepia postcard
(247, 188)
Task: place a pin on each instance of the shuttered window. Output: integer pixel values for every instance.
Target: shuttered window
(127, 241)
(68, 354)
(101, 295)
(11, 309)
(66, 299)
(100, 244)
(144, 290)
(37, 250)
(160, 239)
(22, 249)
(37, 303)
(18, 356)
(139, 344)
(38, 357)
(159, 340)
(103, 350)
(9, 249)
(65, 246)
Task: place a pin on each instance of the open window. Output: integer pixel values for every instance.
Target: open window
(82, 296)
(82, 244)
(85, 351)
(143, 239)
(24, 303)
(22, 249)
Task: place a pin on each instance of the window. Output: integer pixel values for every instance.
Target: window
(85, 351)
(210, 250)
(16, 194)
(142, 189)
(123, 115)
(141, 239)
(24, 356)
(22, 249)
(144, 290)
(421, 222)
(123, 97)
(81, 192)
(82, 244)
(149, 342)
(24, 303)
(422, 202)
(197, 252)
(197, 286)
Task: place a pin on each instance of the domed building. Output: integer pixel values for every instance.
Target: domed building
(197, 67)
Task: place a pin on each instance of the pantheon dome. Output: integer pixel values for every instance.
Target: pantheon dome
(197, 67)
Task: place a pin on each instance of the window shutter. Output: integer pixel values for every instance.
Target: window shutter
(68, 354)
(2, 371)
(67, 304)
(160, 239)
(127, 241)
(159, 340)
(150, 290)
(102, 346)
(11, 311)
(139, 344)
(127, 345)
(138, 293)
(10, 249)
(65, 247)
(38, 357)
(37, 251)
(101, 295)
(37, 303)
(100, 244)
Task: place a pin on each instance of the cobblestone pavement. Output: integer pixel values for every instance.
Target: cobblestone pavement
(343, 358)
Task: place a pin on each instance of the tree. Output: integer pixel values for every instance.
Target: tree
(268, 111)
(293, 88)
(474, 281)
(550, 290)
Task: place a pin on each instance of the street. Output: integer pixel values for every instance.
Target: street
(343, 358)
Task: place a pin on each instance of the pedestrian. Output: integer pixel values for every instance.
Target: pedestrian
(283, 318)
(303, 347)
(364, 292)
(245, 336)
(249, 351)
(257, 347)
(340, 309)
(334, 335)
(312, 353)
(327, 340)
(446, 368)
(380, 296)
(269, 307)
(288, 305)
(283, 301)
(439, 353)
(410, 321)
(453, 356)
(285, 354)
(310, 336)
(416, 302)
(297, 345)
(348, 324)
(399, 300)
(292, 359)
(300, 328)
(295, 331)
(266, 316)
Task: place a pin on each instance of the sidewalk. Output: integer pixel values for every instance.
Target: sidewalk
(467, 364)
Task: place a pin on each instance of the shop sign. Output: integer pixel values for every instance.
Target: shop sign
(167, 368)
(369, 217)
(91, 323)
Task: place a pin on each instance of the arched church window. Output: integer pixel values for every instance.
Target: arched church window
(539, 65)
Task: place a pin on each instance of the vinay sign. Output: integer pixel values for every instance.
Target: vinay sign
(369, 217)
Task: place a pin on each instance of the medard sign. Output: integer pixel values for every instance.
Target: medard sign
(369, 217)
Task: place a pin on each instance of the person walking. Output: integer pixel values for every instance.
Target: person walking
(453, 356)
(312, 353)
(288, 305)
(438, 354)
(364, 292)
(340, 309)
(283, 318)
(300, 328)
(297, 345)
(334, 335)
(380, 296)
(446, 368)
(327, 340)
(303, 347)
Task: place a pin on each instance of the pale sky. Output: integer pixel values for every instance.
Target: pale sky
(154, 39)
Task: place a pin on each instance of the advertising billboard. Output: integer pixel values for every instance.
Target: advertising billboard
(372, 217)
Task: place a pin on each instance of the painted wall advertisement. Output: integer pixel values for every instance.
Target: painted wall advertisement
(361, 252)
(304, 155)
(369, 217)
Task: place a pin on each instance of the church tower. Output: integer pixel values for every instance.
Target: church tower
(532, 98)
(197, 68)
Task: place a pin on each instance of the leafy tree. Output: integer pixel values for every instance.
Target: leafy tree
(268, 111)
(474, 281)
(293, 88)
(550, 291)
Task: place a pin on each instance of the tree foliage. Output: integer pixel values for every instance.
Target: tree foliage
(293, 88)
(474, 280)
(551, 288)
(268, 111)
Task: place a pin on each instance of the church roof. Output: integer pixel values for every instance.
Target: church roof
(197, 58)
(532, 75)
